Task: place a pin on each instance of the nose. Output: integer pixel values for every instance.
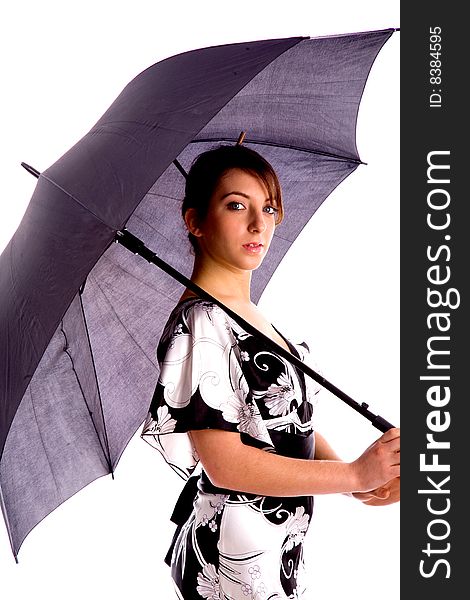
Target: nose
(257, 221)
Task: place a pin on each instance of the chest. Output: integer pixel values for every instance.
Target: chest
(275, 387)
(262, 324)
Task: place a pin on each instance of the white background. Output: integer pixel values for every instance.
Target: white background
(62, 65)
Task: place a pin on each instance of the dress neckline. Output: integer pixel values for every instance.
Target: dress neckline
(291, 345)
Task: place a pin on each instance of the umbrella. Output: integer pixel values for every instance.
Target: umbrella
(79, 314)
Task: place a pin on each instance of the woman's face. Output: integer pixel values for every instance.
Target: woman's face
(240, 222)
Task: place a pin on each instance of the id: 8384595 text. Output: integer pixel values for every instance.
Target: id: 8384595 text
(435, 67)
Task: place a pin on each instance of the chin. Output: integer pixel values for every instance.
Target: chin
(252, 265)
(245, 263)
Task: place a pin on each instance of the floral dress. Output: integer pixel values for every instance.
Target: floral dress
(231, 545)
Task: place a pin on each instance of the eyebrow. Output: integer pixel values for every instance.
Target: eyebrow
(241, 194)
(236, 194)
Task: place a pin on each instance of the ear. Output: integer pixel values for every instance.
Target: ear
(192, 222)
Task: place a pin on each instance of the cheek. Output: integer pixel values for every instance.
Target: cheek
(219, 231)
(226, 227)
(271, 228)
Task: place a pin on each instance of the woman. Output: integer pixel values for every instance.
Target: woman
(244, 412)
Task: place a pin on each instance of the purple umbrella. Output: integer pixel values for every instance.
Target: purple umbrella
(80, 315)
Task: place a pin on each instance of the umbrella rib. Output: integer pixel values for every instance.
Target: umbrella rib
(135, 216)
(284, 239)
(37, 174)
(123, 325)
(141, 281)
(158, 195)
(44, 446)
(75, 200)
(7, 523)
(156, 290)
(286, 146)
(97, 387)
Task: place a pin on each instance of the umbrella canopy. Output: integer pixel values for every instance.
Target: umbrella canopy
(80, 316)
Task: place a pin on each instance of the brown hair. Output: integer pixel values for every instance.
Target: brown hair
(207, 169)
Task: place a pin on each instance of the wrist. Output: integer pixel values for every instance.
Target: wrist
(355, 480)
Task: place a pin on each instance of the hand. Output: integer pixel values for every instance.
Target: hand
(379, 464)
(381, 496)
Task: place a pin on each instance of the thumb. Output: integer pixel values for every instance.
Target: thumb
(382, 493)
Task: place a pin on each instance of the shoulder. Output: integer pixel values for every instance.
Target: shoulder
(200, 318)
(197, 311)
(195, 322)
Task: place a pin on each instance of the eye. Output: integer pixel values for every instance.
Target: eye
(272, 210)
(235, 205)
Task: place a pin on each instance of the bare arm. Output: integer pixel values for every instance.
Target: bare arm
(323, 450)
(233, 465)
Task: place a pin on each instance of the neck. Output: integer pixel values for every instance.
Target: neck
(226, 284)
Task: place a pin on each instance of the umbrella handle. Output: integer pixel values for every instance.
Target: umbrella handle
(137, 246)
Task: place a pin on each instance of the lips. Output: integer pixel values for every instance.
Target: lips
(253, 247)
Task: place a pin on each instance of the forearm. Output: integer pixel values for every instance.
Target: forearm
(323, 450)
(233, 465)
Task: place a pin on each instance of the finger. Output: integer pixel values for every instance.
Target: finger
(382, 493)
(393, 455)
(392, 445)
(391, 434)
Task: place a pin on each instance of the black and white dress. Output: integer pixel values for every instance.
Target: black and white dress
(231, 545)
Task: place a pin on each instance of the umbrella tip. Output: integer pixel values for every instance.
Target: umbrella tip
(241, 137)
(30, 169)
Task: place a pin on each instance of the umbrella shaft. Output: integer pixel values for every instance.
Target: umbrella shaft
(137, 246)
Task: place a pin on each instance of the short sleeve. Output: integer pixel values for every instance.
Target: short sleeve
(200, 386)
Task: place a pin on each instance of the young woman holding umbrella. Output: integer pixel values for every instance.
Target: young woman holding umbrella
(241, 410)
